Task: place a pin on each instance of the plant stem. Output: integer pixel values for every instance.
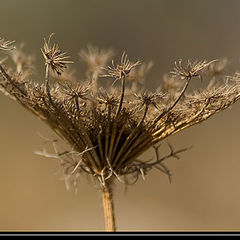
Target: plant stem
(95, 82)
(175, 103)
(122, 95)
(8, 78)
(108, 208)
(47, 85)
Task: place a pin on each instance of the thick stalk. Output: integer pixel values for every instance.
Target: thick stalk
(108, 208)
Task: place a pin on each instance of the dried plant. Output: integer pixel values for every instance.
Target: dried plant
(109, 129)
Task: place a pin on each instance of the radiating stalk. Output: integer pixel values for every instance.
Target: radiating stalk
(122, 95)
(175, 103)
(47, 85)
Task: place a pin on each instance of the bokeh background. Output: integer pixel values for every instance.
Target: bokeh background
(204, 194)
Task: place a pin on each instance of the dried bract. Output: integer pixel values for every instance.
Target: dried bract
(6, 45)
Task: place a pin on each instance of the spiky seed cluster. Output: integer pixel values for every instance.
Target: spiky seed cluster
(217, 68)
(147, 98)
(122, 69)
(76, 93)
(96, 59)
(107, 98)
(170, 83)
(54, 57)
(190, 69)
(108, 132)
(138, 74)
(21, 59)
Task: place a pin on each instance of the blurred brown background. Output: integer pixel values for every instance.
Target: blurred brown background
(204, 194)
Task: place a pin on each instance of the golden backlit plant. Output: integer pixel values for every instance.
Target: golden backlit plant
(109, 127)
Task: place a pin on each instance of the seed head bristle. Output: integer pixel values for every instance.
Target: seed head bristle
(54, 57)
(122, 69)
(190, 69)
(107, 98)
(96, 59)
(147, 98)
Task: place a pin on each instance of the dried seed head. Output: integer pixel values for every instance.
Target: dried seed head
(147, 98)
(170, 83)
(107, 98)
(217, 68)
(191, 69)
(21, 59)
(54, 57)
(172, 86)
(95, 58)
(6, 45)
(78, 91)
(138, 74)
(108, 133)
(122, 69)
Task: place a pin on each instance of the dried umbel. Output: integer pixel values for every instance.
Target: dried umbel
(109, 129)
